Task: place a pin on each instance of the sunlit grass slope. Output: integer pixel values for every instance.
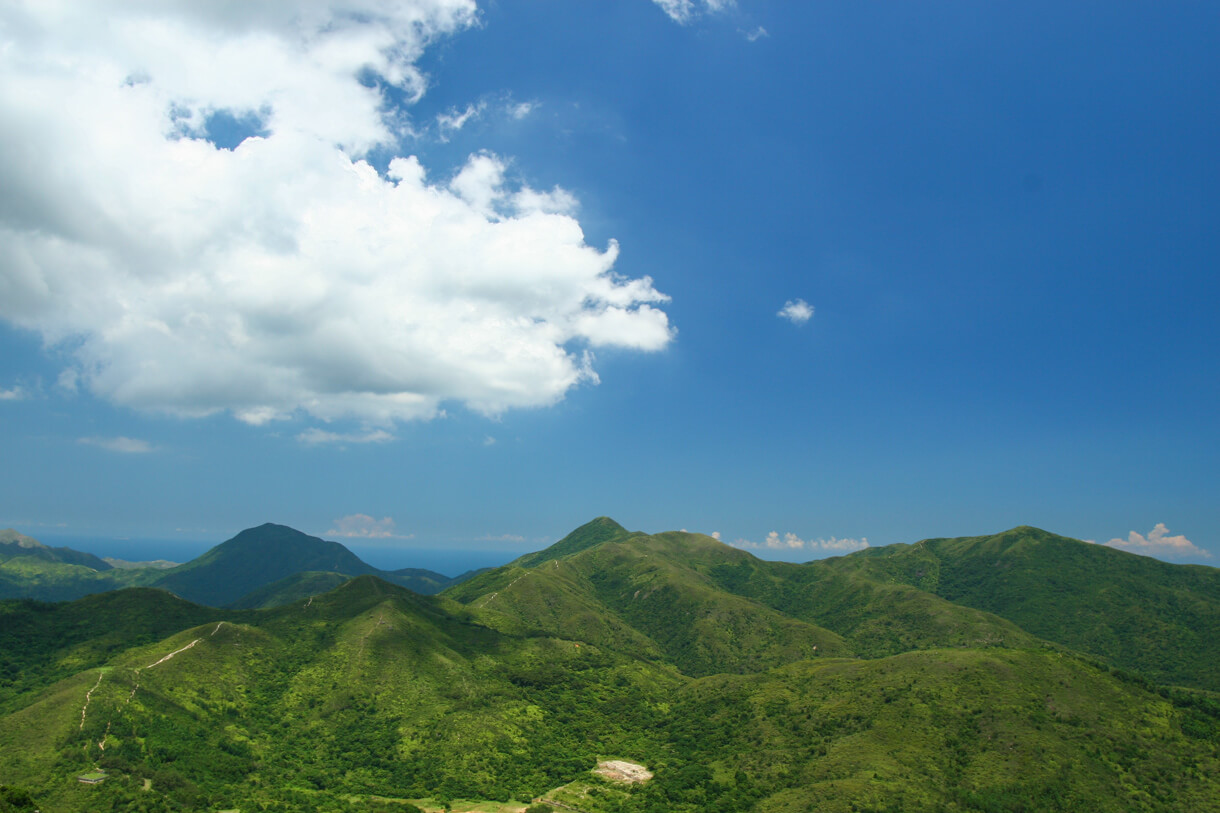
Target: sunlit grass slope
(1160, 619)
(672, 650)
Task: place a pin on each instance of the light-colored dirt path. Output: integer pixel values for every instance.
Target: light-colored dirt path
(172, 654)
(88, 697)
(490, 596)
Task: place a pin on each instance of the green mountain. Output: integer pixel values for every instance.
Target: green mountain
(591, 534)
(297, 587)
(255, 558)
(711, 608)
(1159, 619)
(740, 684)
(30, 569)
(638, 593)
(41, 643)
(13, 544)
(225, 575)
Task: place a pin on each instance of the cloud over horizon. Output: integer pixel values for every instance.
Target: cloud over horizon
(281, 274)
(363, 526)
(1158, 543)
(120, 444)
(792, 542)
(314, 436)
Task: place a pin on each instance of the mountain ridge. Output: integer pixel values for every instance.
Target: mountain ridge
(371, 695)
(1137, 612)
(224, 575)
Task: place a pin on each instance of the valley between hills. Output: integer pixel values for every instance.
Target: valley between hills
(1021, 671)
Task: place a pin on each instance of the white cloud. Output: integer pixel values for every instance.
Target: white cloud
(67, 382)
(316, 437)
(362, 526)
(284, 275)
(680, 11)
(514, 538)
(119, 444)
(1158, 542)
(757, 34)
(796, 311)
(683, 11)
(792, 542)
(521, 110)
(13, 394)
(451, 122)
(716, 535)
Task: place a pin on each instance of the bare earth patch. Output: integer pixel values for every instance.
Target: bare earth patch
(621, 771)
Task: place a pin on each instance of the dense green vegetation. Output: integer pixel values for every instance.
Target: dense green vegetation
(13, 544)
(30, 569)
(846, 685)
(1136, 612)
(257, 568)
(297, 587)
(257, 557)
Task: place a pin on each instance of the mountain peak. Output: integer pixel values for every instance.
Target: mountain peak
(589, 535)
(256, 557)
(12, 537)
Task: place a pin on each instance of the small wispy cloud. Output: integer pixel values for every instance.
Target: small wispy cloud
(796, 311)
(120, 444)
(363, 526)
(792, 542)
(451, 122)
(521, 110)
(500, 538)
(12, 394)
(316, 437)
(68, 381)
(683, 11)
(1158, 543)
(755, 35)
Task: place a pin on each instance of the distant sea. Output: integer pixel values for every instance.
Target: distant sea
(447, 561)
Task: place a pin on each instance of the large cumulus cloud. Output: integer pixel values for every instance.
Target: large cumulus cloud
(284, 274)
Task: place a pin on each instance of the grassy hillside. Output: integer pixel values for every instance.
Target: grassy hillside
(370, 689)
(1136, 612)
(299, 587)
(15, 544)
(877, 616)
(41, 643)
(712, 608)
(635, 593)
(991, 730)
(670, 650)
(30, 569)
(591, 534)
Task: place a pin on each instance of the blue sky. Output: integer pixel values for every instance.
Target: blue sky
(484, 273)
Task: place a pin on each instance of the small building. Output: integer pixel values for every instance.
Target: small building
(93, 777)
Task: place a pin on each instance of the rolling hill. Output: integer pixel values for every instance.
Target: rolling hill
(741, 684)
(1159, 619)
(237, 572)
